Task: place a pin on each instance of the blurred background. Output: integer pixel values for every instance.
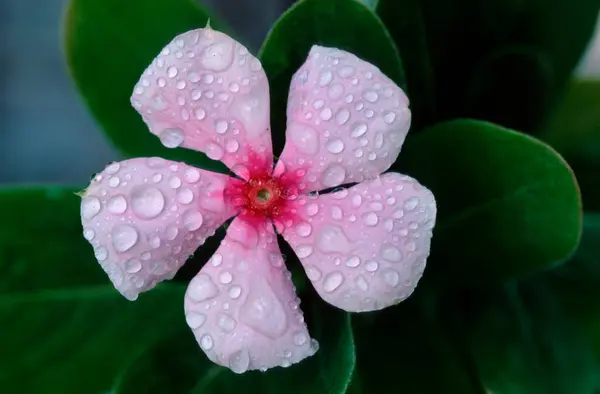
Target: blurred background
(46, 133)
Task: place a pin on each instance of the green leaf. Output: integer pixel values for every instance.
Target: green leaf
(451, 49)
(574, 131)
(41, 242)
(576, 284)
(181, 367)
(405, 349)
(109, 43)
(521, 340)
(343, 24)
(77, 341)
(508, 205)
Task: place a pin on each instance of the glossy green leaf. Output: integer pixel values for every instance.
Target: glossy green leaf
(574, 131)
(109, 43)
(576, 284)
(405, 349)
(77, 340)
(41, 242)
(343, 24)
(181, 367)
(453, 48)
(520, 341)
(508, 205)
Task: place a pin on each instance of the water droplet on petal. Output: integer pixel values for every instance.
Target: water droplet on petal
(124, 237)
(303, 251)
(332, 281)
(391, 253)
(226, 322)
(371, 96)
(221, 126)
(371, 266)
(303, 229)
(361, 283)
(206, 342)
(89, 234)
(195, 320)
(300, 338)
(172, 138)
(411, 203)
(185, 195)
(225, 277)
(100, 253)
(202, 288)
(313, 273)
(334, 175)
(216, 260)
(391, 277)
(147, 202)
(172, 72)
(239, 361)
(133, 266)
(192, 175)
(90, 206)
(370, 218)
(312, 209)
(325, 78)
(358, 130)
(117, 205)
(192, 220)
(214, 151)
(234, 291)
(353, 261)
(335, 146)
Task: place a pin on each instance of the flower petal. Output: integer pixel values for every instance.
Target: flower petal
(145, 217)
(346, 120)
(365, 248)
(242, 305)
(205, 92)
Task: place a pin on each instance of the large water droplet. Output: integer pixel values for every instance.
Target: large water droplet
(202, 288)
(221, 126)
(358, 130)
(390, 253)
(312, 209)
(218, 56)
(226, 322)
(90, 206)
(303, 229)
(334, 175)
(336, 213)
(303, 251)
(112, 168)
(304, 137)
(371, 266)
(133, 266)
(225, 277)
(100, 253)
(239, 361)
(353, 261)
(185, 196)
(332, 281)
(195, 319)
(234, 291)
(214, 151)
(172, 138)
(313, 273)
(172, 72)
(391, 277)
(206, 342)
(147, 202)
(335, 146)
(411, 203)
(124, 237)
(370, 219)
(192, 175)
(300, 338)
(192, 220)
(356, 200)
(371, 96)
(325, 78)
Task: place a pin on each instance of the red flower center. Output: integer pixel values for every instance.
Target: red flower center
(262, 194)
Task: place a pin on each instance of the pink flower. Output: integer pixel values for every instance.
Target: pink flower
(363, 248)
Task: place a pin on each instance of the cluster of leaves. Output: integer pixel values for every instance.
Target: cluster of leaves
(508, 301)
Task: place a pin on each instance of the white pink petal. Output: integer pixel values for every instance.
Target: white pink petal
(346, 120)
(242, 305)
(204, 91)
(365, 248)
(145, 217)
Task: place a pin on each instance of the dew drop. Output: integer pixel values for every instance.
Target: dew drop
(353, 261)
(202, 288)
(117, 205)
(192, 220)
(225, 277)
(313, 273)
(312, 209)
(214, 151)
(195, 320)
(325, 78)
(411, 203)
(100, 253)
(133, 266)
(334, 175)
(185, 195)
(239, 361)
(89, 234)
(226, 322)
(192, 175)
(221, 126)
(391, 277)
(390, 253)
(370, 219)
(303, 229)
(232, 146)
(361, 283)
(358, 130)
(206, 342)
(234, 291)
(172, 138)
(124, 237)
(332, 281)
(304, 251)
(199, 113)
(147, 202)
(371, 96)
(172, 72)
(335, 146)
(371, 266)
(90, 206)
